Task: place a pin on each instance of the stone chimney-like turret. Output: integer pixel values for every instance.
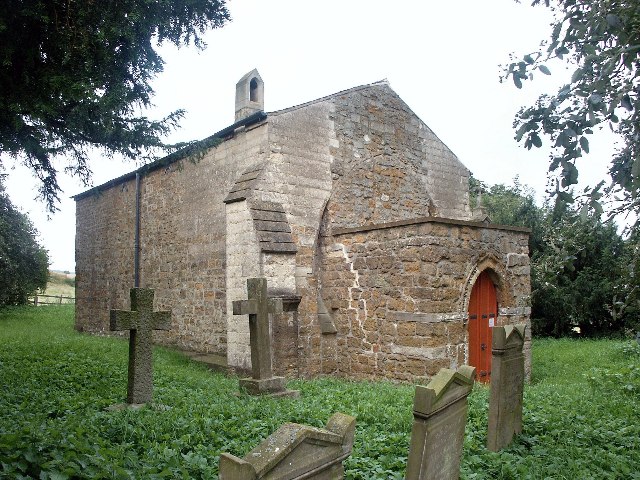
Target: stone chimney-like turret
(249, 95)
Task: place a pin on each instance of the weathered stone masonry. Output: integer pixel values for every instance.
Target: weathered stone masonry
(350, 206)
(182, 243)
(400, 293)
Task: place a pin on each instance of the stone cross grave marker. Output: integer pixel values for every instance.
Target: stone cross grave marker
(140, 321)
(507, 386)
(439, 420)
(296, 452)
(258, 307)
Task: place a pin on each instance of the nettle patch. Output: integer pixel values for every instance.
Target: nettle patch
(580, 412)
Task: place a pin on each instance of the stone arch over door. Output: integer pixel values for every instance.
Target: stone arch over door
(484, 293)
(483, 311)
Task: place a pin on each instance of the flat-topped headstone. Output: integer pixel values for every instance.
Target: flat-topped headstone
(507, 386)
(296, 452)
(140, 321)
(439, 420)
(258, 306)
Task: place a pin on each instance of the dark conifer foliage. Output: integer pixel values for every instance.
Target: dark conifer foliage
(76, 75)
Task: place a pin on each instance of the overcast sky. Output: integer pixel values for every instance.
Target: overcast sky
(442, 58)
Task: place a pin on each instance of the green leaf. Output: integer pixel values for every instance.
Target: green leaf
(635, 169)
(577, 75)
(590, 49)
(544, 69)
(535, 139)
(516, 80)
(584, 212)
(565, 197)
(528, 59)
(626, 102)
(595, 98)
(614, 21)
(569, 175)
(584, 144)
(561, 51)
(597, 206)
(521, 131)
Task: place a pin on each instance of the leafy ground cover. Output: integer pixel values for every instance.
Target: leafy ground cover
(580, 420)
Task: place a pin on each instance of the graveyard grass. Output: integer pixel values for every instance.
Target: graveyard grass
(580, 412)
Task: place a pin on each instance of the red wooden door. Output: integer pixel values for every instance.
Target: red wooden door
(483, 310)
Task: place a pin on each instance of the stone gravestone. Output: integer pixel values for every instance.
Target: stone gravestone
(296, 452)
(140, 321)
(439, 420)
(258, 307)
(507, 385)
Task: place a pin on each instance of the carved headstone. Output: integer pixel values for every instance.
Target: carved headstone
(258, 307)
(140, 321)
(439, 420)
(296, 452)
(507, 385)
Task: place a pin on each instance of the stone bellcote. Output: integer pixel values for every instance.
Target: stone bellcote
(249, 95)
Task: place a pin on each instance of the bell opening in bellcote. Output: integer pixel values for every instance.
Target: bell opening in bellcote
(249, 95)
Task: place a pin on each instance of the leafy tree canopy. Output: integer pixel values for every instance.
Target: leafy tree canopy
(24, 264)
(601, 39)
(583, 273)
(75, 75)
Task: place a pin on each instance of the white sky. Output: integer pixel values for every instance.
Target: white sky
(442, 58)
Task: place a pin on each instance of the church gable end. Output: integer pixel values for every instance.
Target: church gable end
(389, 165)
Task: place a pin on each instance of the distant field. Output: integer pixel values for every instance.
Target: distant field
(60, 284)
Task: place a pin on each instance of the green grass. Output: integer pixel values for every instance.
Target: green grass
(580, 420)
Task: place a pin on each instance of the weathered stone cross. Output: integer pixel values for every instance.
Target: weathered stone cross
(258, 307)
(140, 321)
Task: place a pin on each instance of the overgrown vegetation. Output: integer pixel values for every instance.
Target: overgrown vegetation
(583, 272)
(24, 263)
(580, 415)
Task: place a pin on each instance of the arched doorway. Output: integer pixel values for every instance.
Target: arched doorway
(483, 310)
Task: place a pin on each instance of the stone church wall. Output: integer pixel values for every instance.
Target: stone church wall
(182, 243)
(298, 175)
(399, 294)
(105, 226)
(353, 158)
(389, 165)
(360, 157)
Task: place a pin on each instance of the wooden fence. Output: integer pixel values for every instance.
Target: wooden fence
(58, 300)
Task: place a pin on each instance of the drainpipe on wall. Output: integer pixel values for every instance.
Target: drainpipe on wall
(136, 242)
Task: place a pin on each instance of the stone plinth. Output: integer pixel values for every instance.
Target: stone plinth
(439, 420)
(296, 452)
(507, 386)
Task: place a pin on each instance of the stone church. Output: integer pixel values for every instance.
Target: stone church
(352, 208)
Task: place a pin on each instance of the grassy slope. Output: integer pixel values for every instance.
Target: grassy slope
(57, 383)
(59, 284)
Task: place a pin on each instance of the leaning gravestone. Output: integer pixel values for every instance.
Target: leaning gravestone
(439, 420)
(258, 307)
(296, 452)
(507, 385)
(140, 321)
